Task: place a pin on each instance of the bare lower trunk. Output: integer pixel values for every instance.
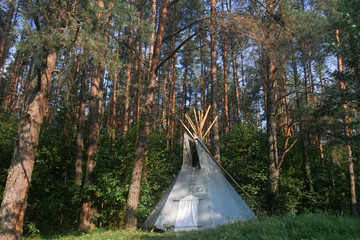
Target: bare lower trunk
(271, 113)
(22, 164)
(353, 201)
(88, 209)
(273, 169)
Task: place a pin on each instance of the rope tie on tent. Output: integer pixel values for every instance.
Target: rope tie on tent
(228, 174)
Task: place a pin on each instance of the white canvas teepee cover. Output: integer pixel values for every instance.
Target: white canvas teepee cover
(200, 177)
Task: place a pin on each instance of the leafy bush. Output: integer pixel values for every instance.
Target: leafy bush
(244, 156)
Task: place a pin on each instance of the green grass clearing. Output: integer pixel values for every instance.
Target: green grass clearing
(308, 226)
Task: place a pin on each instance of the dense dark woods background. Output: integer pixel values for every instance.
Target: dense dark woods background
(91, 93)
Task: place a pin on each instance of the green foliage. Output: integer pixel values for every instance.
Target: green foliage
(54, 200)
(113, 175)
(161, 168)
(244, 156)
(8, 130)
(114, 169)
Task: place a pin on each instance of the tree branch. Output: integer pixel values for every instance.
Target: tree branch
(176, 50)
(289, 93)
(184, 28)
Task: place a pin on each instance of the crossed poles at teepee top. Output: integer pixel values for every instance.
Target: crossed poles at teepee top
(198, 126)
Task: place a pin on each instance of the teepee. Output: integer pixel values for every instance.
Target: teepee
(200, 197)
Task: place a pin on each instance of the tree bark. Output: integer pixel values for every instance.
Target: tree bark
(128, 79)
(236, 83)
(88, 208)
(16, 83)
(273, 159)
(173, 95)
(27, 85)
(202, 81)
(10, 88)
(348, 133)
(214, 95)
(22, 164)
(134, 188)
(114, 101)
(184, 87)
(226, 98)
(139, 70)
(80, 131)
(6, 30)
(302, 127)
(243, 85)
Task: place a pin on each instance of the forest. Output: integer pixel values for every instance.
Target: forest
(92, 91)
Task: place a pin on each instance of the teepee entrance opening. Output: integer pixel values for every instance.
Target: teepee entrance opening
(187, 214)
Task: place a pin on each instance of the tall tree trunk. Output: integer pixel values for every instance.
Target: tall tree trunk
(202, 81)
(348, 133)
(80, 130)
(173, 78)
(103, 92)
(22, 164)
(88, 208)
(20, 90)
(2, 70)
(214, 95)
(163, 101)
(15, 87)
(5, 31)
(114, 101)
(226, 98)
(184, 88)
(27, 85)
(273, 161)
(139, 69)
(134, 188)
(128, 78)
(236, 84)
(173, 98)
(168, 107)
(302, 128)
(151, 48)
(9, 88)
(243, 84)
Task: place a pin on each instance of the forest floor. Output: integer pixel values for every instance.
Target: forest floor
(307, 226)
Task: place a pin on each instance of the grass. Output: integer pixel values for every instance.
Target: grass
(308, 226)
